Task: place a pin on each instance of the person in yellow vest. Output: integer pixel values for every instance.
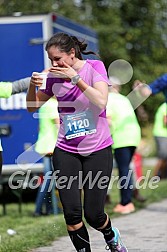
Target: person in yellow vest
(48, 119)
(126, 134)
(160, 136)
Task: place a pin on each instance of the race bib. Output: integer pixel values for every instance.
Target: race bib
(79, 124)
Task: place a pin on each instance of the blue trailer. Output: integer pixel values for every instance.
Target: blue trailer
(22, 51)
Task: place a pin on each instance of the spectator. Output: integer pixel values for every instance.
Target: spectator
(6, 90)
(126, 134)
(160, 135)
(155, 87)
(48, 119)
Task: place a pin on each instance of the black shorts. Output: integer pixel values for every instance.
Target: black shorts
(88, 174)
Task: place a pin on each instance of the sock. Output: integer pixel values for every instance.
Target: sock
(107, 232)
(80, 239)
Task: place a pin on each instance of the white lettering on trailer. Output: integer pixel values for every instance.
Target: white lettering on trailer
(17, 101)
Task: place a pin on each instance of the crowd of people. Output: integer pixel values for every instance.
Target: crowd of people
(84, 122)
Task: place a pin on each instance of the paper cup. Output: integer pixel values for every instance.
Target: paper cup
(44, 76)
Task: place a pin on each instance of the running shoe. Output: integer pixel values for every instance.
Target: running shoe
(116, 245)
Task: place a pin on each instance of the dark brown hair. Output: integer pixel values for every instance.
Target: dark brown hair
(65, 42)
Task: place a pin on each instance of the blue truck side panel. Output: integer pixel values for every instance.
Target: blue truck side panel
(23, 126)
(19, 58)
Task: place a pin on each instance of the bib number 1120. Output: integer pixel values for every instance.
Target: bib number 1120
(80, 124)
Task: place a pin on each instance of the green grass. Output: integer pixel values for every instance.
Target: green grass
(30, 232)
(41, 231)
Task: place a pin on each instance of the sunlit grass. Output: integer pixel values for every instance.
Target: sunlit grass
(30, 232)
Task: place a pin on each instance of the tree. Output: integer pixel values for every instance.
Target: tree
(131, 30)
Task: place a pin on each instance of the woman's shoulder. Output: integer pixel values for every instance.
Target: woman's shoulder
(98, 65)
(94, 62)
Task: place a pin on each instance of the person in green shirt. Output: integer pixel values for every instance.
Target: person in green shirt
(47, 137)
(160, 136)
(8, 89)
(126, 134)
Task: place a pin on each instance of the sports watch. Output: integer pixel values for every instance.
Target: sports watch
(75, 79)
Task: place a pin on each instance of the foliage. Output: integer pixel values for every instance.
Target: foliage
(131, 30)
